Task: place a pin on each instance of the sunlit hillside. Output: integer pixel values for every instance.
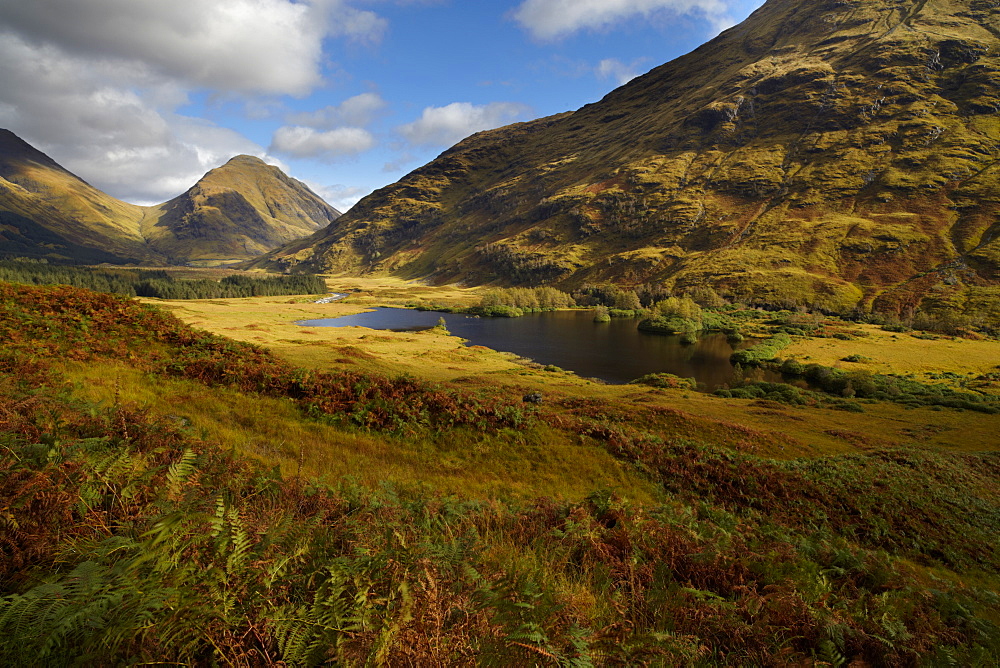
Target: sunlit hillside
(836, 154)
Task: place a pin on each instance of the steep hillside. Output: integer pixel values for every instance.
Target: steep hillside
(242, 209)
(830, 153)
(237, 211)
(48, 211)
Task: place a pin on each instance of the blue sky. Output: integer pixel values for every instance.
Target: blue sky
(141, 97)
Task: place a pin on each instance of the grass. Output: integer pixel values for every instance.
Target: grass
(901, 353)
(781, 431)
(538, 462)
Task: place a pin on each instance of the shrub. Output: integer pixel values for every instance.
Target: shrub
(706, 297)
(761, 352)
(627, 313)
(792, 367)
(501, 311)
(666, 380)
(667, 325)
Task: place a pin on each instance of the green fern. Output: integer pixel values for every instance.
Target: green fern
(93, 608)
(180, 471)
(829, 654)
(306, 634)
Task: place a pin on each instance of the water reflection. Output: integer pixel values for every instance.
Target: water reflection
(615, 351)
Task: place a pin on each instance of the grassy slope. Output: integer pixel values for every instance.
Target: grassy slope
(128, 532)
(33, 186)
(820, 153)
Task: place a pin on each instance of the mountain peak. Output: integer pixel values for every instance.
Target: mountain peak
(245, 159)
(15, 152)
(240, 210)
(235, 212)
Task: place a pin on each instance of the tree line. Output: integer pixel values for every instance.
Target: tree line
(156, 283)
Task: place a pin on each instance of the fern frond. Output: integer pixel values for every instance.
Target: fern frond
(306, 633)
(180, 471)
(241, 543)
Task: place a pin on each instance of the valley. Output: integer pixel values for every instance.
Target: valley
(236, 211)
(196, 470)
(437, 356)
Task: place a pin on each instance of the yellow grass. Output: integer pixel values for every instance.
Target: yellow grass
(536, 463)
(900, 353)
(763, 428)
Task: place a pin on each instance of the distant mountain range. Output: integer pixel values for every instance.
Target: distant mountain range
(834, 153)
(235, 212)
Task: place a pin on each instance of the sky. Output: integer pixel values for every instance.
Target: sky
(141, 97)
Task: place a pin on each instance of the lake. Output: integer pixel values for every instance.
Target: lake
(616, 352)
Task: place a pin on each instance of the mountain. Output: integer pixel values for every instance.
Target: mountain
(48, 211)
(833, 153)
(235, 212)
(242, 209)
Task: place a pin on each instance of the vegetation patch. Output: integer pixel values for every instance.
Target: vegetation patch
(158, 283)
(132, 538)
(666, 380)
(880, 387)
(128, 539)
(79, 324)
(764, 351)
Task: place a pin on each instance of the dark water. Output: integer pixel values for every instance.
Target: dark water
(616, 352)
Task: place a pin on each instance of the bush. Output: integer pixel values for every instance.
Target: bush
(706, 297)
(792, 367)
(500, 311)
(667, 325)
(626, 313)
(666, 380)
(766, 350)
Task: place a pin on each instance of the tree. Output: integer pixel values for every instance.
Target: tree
(627, 300)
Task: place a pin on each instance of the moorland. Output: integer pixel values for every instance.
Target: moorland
(206, 481)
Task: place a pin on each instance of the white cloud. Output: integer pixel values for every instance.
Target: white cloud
(552, 19)
(616, 70)
(260, 46)
(115, 136)
(357, 111)
(444, 126)
(302, 142)
(400, 163)
(97, 83)
(340, 196)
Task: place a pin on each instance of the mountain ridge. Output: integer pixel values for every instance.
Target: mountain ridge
(837, 154)
(236, 211)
